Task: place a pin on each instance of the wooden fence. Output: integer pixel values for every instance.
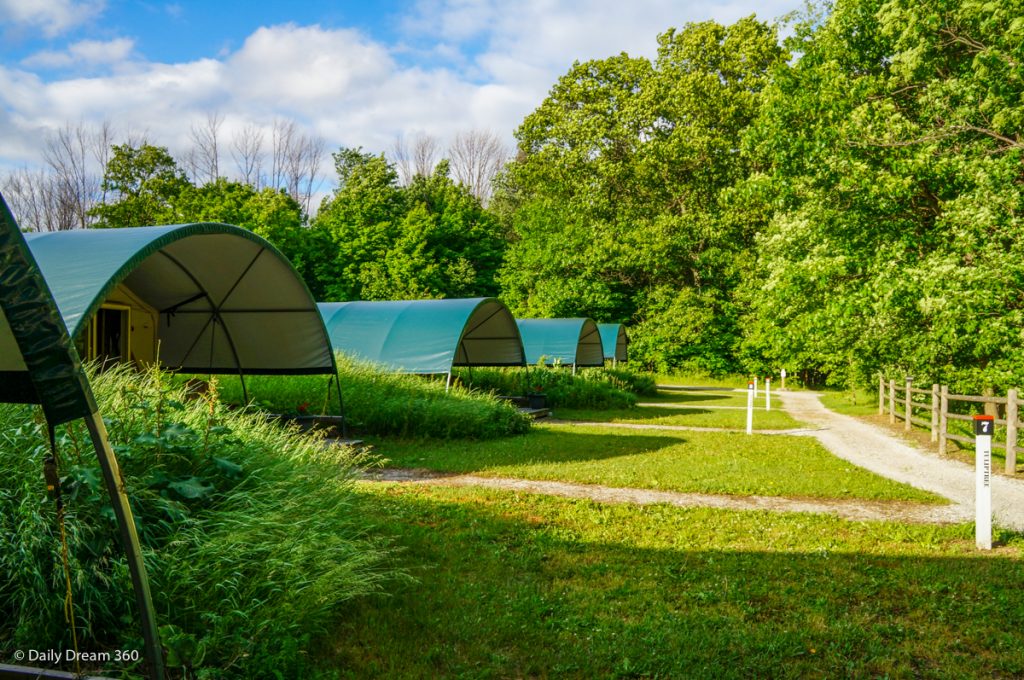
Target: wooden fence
(935, 402)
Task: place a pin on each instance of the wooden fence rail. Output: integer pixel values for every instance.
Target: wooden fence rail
(936, 402)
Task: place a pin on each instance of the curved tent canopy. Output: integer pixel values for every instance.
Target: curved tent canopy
(566, 341)
(39, 365)
(426, 336)
(212, 297)
(614, 340)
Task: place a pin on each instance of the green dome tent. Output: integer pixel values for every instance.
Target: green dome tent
(426, 336)
(39, 365)
(564, 341)
(614, 340)
(209, 298)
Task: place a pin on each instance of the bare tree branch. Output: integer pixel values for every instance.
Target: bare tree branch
(476, 157)
(204, 157)
(247, 151)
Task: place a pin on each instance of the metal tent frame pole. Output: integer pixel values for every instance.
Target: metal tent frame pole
(130, 539)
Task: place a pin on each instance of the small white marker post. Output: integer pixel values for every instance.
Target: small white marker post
(783, 374)
(755, 387)
(767, 394)
(750, 407)
(983, 426)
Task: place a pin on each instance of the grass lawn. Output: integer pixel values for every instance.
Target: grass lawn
(707, 462)
(518, 585)
(692, 417)
(730, 381)
(708, 398)
(732, 418)
(859, 402)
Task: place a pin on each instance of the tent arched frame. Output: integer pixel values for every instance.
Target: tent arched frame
(426, 337)
(615, 341)
(40, 365)
(198, 277)
(575, 341)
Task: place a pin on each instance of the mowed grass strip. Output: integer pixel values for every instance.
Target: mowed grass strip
(705, 462)
(731, 419)
(709, 398)
(732, 416)
(519, 585)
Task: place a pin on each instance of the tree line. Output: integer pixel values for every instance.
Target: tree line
(843, 201)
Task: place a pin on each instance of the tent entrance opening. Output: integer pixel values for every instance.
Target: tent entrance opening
(111, 334)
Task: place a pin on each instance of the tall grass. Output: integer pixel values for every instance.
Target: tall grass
(252, 534)
(381, 403)
(589, 388)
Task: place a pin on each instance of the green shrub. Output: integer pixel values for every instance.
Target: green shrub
(589, 388)
(642, 384)
(376, 402)
(251, 532)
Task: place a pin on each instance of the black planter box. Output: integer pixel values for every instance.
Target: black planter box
(538, 400)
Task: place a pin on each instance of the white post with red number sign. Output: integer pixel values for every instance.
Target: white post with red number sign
(983, 430)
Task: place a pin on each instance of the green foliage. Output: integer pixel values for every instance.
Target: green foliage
(272, 214)
(614, 201)
(251, 532)
(593, 388)
(145, 182)
(431, 239)
(382, 403)
(892, 234)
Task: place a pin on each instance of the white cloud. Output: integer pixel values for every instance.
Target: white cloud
(54, 17)
(343, 85)
(83, 53)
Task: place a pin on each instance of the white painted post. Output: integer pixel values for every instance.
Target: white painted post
(574, 368)
(755, 387)
(767, 394)
(750, 407)
(783, 374)
(983, 427)
(448, 382)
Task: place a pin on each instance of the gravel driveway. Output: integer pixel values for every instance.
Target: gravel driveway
(871, 447)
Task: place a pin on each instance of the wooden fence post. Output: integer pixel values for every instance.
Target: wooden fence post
(943, 421)
(1011, 432)
(881, 395)
(935, 412)
(892, 402)
(906, 401)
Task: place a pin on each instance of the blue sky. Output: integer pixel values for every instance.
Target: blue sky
(351, 73)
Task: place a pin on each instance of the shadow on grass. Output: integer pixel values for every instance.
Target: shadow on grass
(520, 586)
(647, 414)
(694, 388)
(682, 398)
(542, 445)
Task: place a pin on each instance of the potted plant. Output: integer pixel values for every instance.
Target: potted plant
(537, 398)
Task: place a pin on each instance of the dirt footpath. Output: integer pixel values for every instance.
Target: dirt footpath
(872, 448)
(847, 509)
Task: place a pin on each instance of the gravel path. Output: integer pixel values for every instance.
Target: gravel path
(873, 448)
(847, 509)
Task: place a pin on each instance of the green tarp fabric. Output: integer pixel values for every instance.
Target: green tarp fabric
(614, 340)
(563, 341)
(425, 336)
(228, 300)
(38, 363)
